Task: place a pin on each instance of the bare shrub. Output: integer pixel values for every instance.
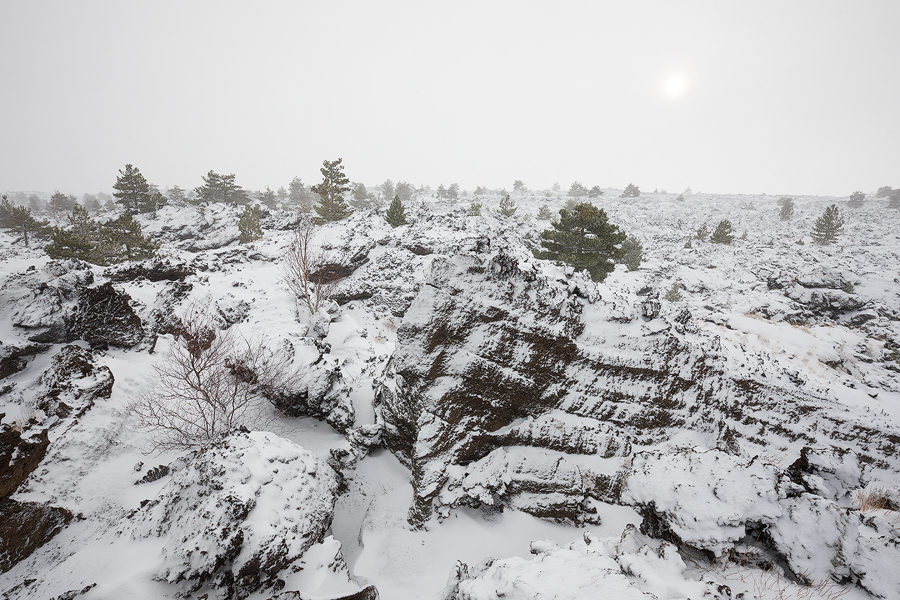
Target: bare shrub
(306, 269)
(211, 382)
(873, 498)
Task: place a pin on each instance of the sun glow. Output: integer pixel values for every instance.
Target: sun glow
(675, 85)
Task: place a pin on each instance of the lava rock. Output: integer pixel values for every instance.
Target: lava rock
(19, 457)
(103, 316)
(25, 527)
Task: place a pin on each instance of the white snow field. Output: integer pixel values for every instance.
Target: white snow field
(666, 482)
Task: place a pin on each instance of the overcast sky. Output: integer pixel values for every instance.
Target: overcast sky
(782, 97)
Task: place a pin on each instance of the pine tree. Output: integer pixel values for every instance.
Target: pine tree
(221, 188)
(332, 206)
(631, 191)
(674, 293)
(176, 195)
(787, 208)
(723, 233)
(359, 197)
(507, 206)
(856, 199)
(595, 192)
(545, 213)
(91, 203)
(828, 226)
(702, 233)
(585, 239)
(634, 251)
(577, 190)
(20, 220)
(396, 215)
(123, 239)
(453, 193)
(248, 226)
(133, 191)
(475, 209)
(387, 189)
(78, 241)
(268, 198)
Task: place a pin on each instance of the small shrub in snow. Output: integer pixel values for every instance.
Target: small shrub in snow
(828, 226)
(702, 233)
(856, 199)
(631, 191)
(595, 192)
(787, 208)
(475, 209)
(248, 226)
(507, 206)
(674, 293)
(544, 213)
(723, 233)
(633, 253)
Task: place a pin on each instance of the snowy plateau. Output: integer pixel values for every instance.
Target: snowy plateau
(469, 422)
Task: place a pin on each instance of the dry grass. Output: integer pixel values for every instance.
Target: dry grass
(873, 498)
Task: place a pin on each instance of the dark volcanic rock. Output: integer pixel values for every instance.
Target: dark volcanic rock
(14, 358)
(19, 457)
(155, 269)
(25, 527)
(73, 382)
(103, 316)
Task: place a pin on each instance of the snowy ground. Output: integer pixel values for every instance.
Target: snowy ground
(91, 465)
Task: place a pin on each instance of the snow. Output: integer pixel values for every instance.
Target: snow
(709, 495)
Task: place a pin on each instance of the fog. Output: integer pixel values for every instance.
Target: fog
(762, 97)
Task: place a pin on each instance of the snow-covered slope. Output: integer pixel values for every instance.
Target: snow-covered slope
(460, 400)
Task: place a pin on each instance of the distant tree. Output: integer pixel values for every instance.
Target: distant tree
(544, 213)
(221, 188)
(884, 192)
(723, 233)
(507, 206)
(404, 190)
(894, 199)
(634, 251)
(332, 206)
(702, 233)
(91, 203)
(61, 203)
(359, 196)
(299, 196)
(828, 226)
(680, 198)
(453, 193)
(556, 187)
(585, 239)
(396, 214)
(268, 198)
(281, 194)
(475, 209)
(787, 208)
(20, 220)
(248, 226)
(856, 199)
(133, 191)
(36, 204)
(595, 192)
(674, 293)
(577, 190)
(123, 239)
(631, 191)
(481, 191)
(519, 187)
(387, 189)
(441, 192)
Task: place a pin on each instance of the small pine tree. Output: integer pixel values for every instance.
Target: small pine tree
(19, 219)
(828, 226)
(123, 239)
(631, 191)
(475, 209)
(332, 206)
(688, 244)
(507, 206)
(787, 208)
(577, 190)
(702, 233)
(396, 214)
(723, 233)
(248, 226)
(674, 293)
(856, 199)
(545, 213)
(884, 191)
(595, 192)
(680, 198)
(633, 253)
(78, 241)
(585, 239)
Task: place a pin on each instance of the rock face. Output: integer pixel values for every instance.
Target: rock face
(25, 527)
(104, 317)
(242, 511)
(512, 387)
(73, 383)
(14, 358)
(717, 503)
(19, 457)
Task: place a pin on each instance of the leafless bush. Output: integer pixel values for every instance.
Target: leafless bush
(306, 268)
(210, 383)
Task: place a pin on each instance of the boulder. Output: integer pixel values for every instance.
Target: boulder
(72, 383)
(103, 317)
(19, 456)
(25, 527)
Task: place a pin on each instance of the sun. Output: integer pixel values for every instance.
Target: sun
(675, 85)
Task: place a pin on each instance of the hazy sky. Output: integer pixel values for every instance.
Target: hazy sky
(756, 96)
